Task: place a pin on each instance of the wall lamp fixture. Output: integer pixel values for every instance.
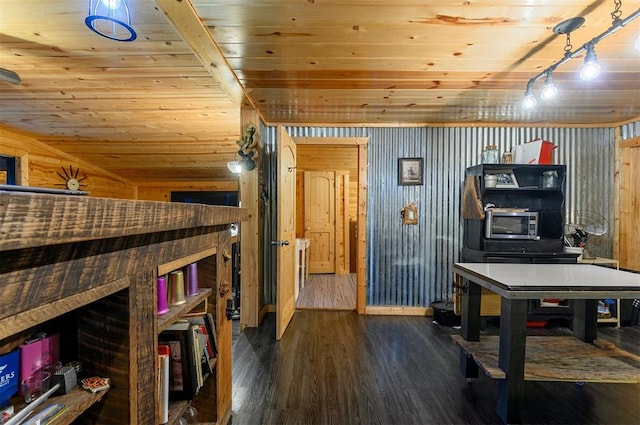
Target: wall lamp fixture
(590, 69)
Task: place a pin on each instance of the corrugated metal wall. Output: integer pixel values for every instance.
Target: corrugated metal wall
(630, 131)
(410, 265)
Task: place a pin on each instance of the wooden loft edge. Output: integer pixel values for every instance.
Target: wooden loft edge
(30, 220)
(27, 319)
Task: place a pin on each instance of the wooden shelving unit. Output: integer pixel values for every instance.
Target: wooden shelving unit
(92, 264)
(607, 262)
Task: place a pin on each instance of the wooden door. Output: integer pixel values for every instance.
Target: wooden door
(320, 221)
(286, 232)
(629, 233)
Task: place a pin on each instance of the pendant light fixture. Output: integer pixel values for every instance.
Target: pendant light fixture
(110, 19)
(591, 68)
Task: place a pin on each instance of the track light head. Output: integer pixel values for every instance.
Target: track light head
(549, 91)
(591, 68)
(529, 101)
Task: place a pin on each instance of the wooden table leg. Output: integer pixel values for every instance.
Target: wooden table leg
(513, 326)
(470, 326)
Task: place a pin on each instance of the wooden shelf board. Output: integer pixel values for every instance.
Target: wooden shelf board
(177, 311)
(176, 409)
(77, 402)
(174, 265)
(558, 358)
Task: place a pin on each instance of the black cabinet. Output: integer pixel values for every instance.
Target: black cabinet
(539, 188)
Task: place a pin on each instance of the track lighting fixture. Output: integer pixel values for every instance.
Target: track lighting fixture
(591, 68)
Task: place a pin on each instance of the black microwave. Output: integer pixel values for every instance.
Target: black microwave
(509, 224)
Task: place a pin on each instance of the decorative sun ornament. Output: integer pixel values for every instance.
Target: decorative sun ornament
(70, 177)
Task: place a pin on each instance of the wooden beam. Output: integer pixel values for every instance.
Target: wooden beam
(331, 140)
(361, 247)
(250, 251)
(186, 22)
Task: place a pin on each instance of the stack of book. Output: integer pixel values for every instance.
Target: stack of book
(186, 355)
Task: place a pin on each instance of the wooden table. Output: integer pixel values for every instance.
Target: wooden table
(517, 283)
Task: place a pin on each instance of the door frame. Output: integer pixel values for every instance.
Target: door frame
(621, 183)
(361, 246)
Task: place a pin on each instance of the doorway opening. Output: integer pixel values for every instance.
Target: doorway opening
(327, 191)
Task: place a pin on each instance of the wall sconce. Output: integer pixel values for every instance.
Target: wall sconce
(409, 214)
(110, 19)
(591, 68)
(234, 167)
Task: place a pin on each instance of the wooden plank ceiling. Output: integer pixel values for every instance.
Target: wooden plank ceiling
(166, 107)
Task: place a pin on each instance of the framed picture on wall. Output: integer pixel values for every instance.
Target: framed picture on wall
(410, 171)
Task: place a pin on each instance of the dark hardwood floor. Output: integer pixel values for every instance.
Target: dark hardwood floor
(335, 367)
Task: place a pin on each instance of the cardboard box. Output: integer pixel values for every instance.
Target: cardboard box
(534, 152)
(8, 376)
(38, 353)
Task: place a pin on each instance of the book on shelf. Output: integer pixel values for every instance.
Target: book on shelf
(206, 320)
(183, 368)
(163, 382)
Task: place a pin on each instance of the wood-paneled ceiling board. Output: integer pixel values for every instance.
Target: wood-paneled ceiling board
(146, 110)
(411, 62)
(167, 105)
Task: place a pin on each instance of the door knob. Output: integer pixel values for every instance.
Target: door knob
(280, 243)
(308, 228)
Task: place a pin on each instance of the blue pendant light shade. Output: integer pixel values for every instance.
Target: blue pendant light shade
(110, 19)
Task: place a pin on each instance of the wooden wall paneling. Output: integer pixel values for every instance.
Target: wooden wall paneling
(250, 237)
(40, 164)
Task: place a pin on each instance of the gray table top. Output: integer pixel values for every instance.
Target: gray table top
(569, 281)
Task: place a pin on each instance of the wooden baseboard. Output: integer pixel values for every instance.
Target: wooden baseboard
(398, 311)
(267, 308)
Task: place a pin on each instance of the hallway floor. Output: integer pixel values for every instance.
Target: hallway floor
(335, 367)
(328, 292)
